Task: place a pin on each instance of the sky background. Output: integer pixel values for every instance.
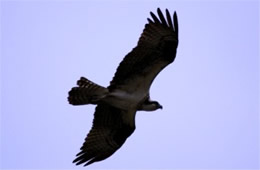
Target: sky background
(210, 94)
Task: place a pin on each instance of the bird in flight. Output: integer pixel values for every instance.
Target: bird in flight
(128, 92)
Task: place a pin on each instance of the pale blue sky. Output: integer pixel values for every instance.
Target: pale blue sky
(210, 94)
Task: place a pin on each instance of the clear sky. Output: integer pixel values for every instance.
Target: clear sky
(210, 94)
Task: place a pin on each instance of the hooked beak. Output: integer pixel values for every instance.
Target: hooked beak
(160, 107)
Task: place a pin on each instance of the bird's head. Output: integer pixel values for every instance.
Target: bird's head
(150, 106)
(156, 105)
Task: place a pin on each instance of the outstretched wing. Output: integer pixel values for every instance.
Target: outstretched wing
(155, 50)
(109, 132)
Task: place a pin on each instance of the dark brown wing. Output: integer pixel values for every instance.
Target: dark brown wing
(155, 50)
(109, 132)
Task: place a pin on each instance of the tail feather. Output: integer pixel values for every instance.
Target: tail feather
(87, 92)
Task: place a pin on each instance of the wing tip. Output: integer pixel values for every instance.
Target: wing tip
(149, 20)
(158, 10)
(161, 19)
(175, 21)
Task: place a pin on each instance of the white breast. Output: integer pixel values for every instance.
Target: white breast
(125, 100)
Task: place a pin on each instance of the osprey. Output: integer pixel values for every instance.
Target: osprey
(128, 92)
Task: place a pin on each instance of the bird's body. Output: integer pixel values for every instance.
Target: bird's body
(128, 92)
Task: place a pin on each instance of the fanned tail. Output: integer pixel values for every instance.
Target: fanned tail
(87, 92)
